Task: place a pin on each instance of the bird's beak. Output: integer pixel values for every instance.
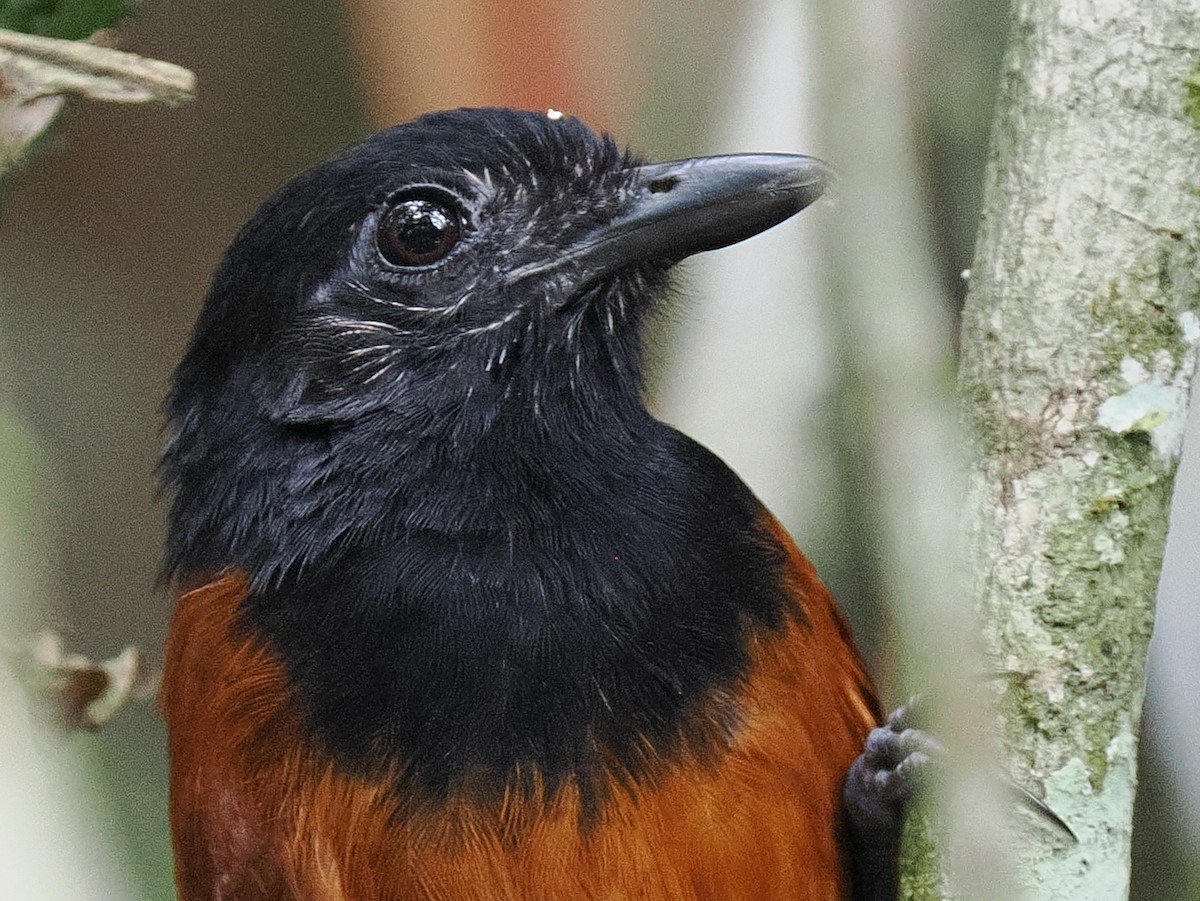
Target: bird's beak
(689, 206)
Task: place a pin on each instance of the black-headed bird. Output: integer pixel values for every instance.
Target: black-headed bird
(457, 617)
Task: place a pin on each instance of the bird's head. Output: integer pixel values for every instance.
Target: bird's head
(467, 270)
(466, 256)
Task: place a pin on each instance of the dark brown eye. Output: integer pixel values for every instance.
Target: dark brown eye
(418, 230)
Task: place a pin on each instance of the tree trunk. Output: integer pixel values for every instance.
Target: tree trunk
(1080, 340)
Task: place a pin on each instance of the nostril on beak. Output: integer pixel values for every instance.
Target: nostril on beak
(663, 185)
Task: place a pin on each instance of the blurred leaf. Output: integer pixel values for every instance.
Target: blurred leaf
(72, 20)
(81, 693)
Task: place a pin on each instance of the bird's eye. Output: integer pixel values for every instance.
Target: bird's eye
(418, 229)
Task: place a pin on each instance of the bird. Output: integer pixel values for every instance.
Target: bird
(456, 616)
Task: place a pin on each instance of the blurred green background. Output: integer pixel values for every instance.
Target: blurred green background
(110, 232)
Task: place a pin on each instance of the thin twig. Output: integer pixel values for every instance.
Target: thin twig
(35, 66)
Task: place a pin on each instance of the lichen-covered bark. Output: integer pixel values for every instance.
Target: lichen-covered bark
(1080, 342)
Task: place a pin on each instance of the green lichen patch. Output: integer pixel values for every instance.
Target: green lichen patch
(1001, 435)
(1098, 605)
(1148, 335)
(920, 873)
(1026, 708)
(1138, 313)
(1191, 85)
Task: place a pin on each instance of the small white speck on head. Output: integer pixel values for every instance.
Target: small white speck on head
(965, 275)
(553, 115)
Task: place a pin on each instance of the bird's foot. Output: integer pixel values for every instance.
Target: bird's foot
(894, 765)
(897, 762)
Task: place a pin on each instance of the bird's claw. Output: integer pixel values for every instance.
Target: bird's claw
(896, 762)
